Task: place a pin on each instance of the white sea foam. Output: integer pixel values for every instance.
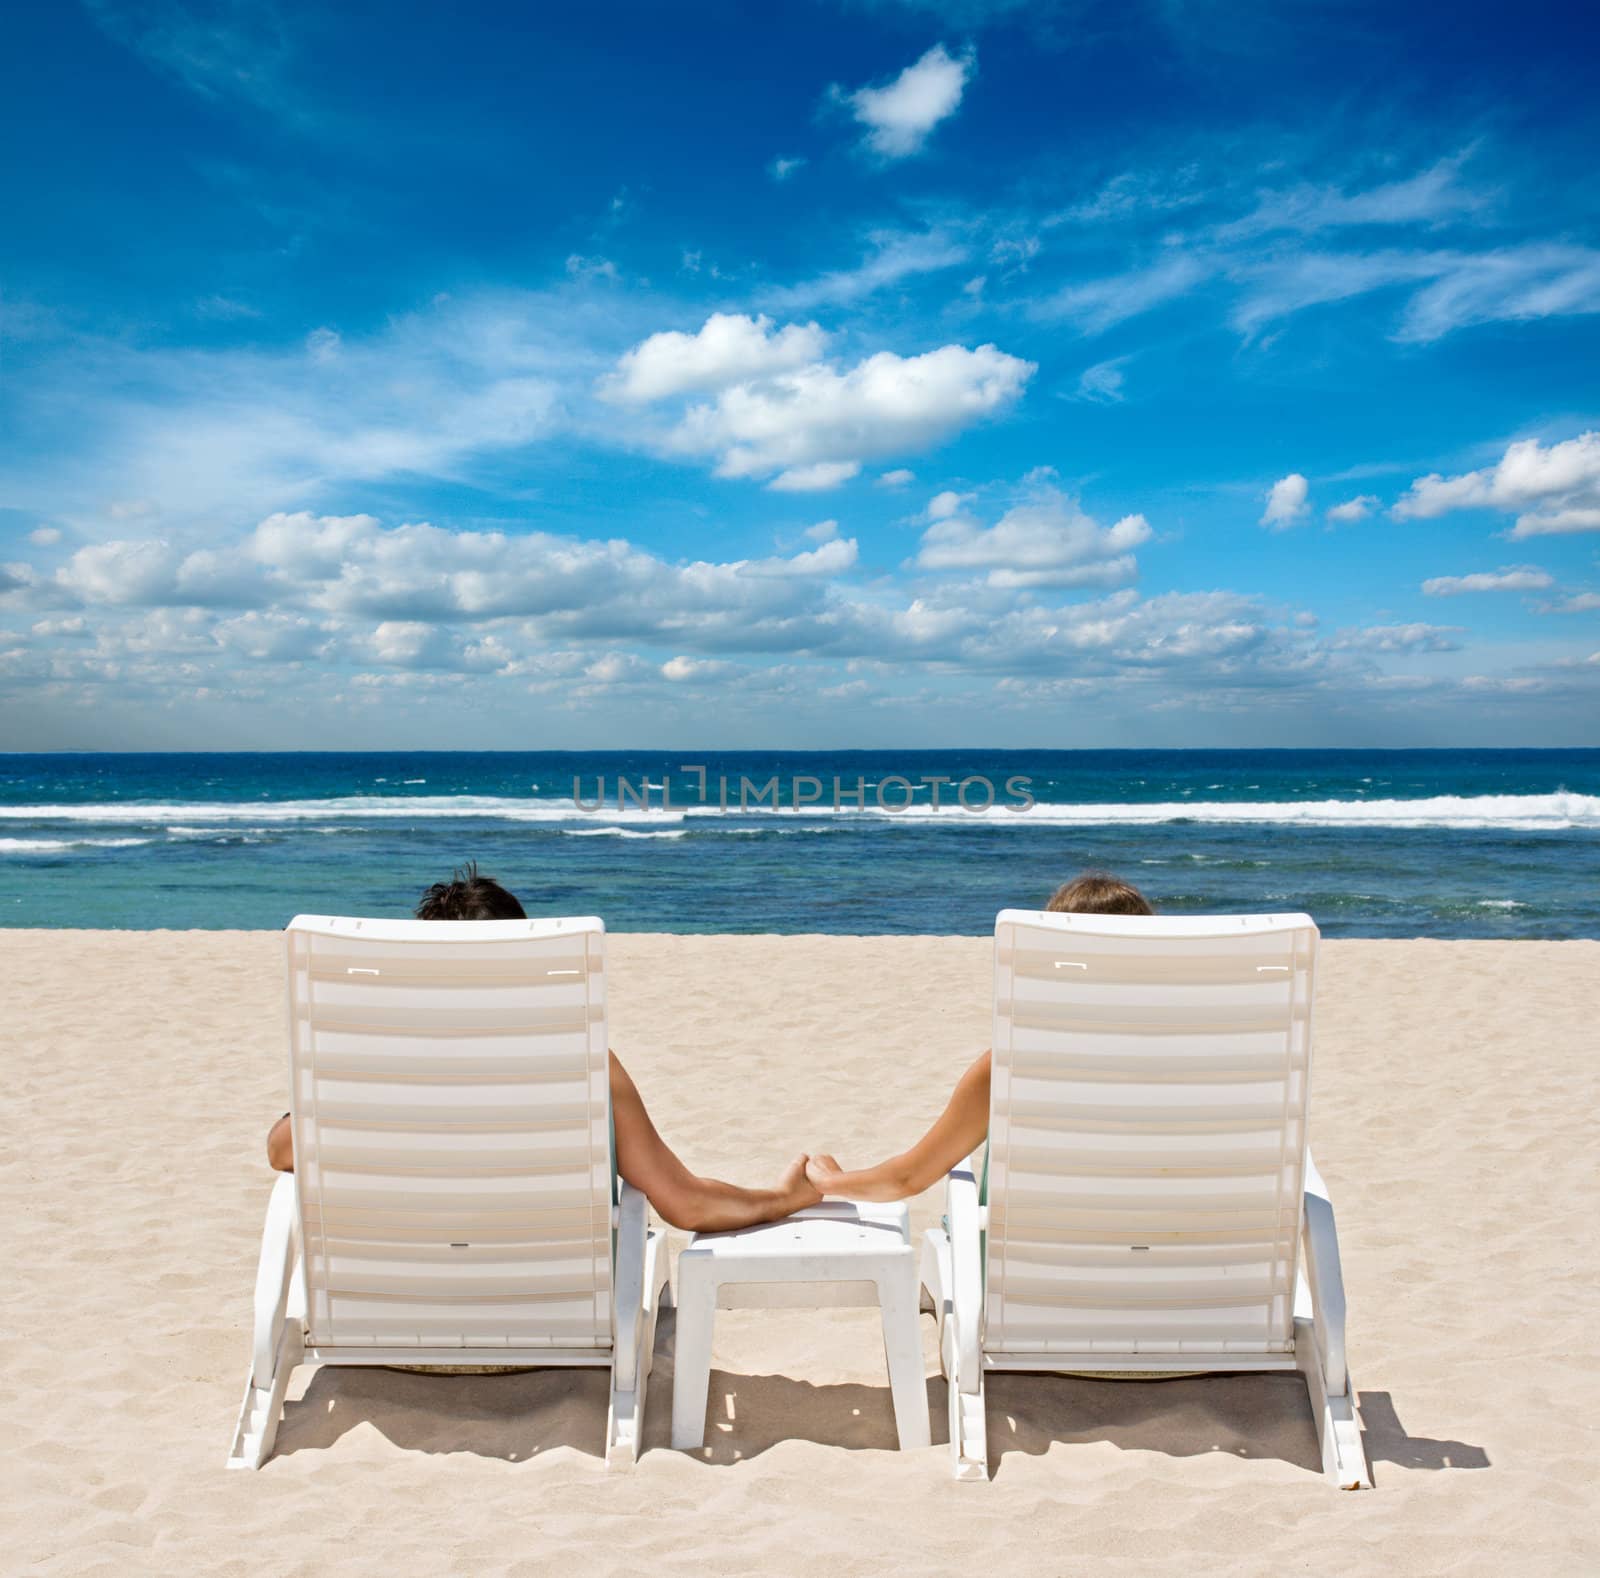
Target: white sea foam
(390, 807)
(46, 846)
(1530, 813)
(618, 832)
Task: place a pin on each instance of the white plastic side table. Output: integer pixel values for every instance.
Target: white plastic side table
(837, 1255)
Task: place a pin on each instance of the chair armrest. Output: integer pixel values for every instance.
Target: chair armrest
(966, 1269)
(1324, 1277)
(274, 1274)
(628, 1292)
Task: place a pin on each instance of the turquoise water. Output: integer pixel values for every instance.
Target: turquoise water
(1371, 843)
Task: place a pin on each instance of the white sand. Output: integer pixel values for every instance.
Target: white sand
(1454, 1102)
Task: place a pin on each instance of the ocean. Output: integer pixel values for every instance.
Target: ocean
(1449, 843)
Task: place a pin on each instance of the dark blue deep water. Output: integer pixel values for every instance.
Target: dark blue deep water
(1371, 843)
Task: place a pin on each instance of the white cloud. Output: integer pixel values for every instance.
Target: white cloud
(897, 478)
(817, 477)
(1557, 489)
(687, 669)
(154, 573)
(1578, 603)
(304, 545)
(728, 348)
(823, 531)
(782, 169)
(1549, 523)
(306, 578)
(45, 536)
(900, 115)
(943, 505)
(1398, 638)
(1286, 502)
(833, 557)
(1047, 541)
(1356, 509)
(815, 425)
(1515, 578)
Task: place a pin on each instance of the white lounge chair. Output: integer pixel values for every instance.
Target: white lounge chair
(454, 1199)
(1150, 1190)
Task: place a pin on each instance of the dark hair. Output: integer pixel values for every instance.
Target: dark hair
(469, 897)
(1099, 893)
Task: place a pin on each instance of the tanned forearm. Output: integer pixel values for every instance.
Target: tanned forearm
(682, 1198)
(894, 1179)
(708, 1205)
(959, 1130)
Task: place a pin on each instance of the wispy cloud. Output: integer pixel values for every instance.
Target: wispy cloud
(1102, 384)
(1430, 197)
(228, 50)
(892, 256)
(1096, 305)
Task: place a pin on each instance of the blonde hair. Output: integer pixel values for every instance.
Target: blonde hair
(1099, 893)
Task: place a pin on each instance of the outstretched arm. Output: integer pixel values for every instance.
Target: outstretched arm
(650, 1165)
(704, 1205)
(957, 1133)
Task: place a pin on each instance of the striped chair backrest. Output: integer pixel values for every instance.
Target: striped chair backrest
(451, 1108)
(1147, 1132)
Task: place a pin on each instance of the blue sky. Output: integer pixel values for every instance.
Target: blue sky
(880, 371)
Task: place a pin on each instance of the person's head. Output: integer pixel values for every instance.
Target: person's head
(469, 897)
(1099, 893)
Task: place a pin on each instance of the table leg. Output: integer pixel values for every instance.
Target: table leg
(691, 1362)
(898, 1304)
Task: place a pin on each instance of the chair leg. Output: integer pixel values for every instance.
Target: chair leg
(691, 1360)
(257, 1431)
(625, 1414)
(278, 1342)
(935, 1276)
(1344, 1454)
(902, 1348)
(658, 1286)
(969, 1434)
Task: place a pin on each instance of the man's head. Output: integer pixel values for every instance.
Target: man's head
(1099, 893)
(469, 897)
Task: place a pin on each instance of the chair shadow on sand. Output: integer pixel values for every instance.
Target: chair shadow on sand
(1245, 1416)
(511, 1417)
(525, 1415)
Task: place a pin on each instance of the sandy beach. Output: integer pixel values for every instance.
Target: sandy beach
(1454, 1093)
